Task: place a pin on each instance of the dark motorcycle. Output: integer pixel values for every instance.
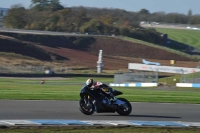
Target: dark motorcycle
(99, 101)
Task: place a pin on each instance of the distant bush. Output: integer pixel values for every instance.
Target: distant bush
(149, 35)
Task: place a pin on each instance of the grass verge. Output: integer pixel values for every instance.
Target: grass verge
(69, 89)
(99, 129)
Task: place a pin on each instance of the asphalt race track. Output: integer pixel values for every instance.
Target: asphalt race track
(46, 109)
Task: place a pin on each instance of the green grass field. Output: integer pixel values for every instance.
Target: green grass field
(189, 37)
(69, 88)
(99, 129)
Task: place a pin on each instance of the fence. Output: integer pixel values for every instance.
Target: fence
(191, 78)
(136, 76)
(150, 77)
(180, 78)
(34, 69)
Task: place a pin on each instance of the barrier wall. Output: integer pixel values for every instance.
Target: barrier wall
(134, 85)
(193, 28)
(193, 85)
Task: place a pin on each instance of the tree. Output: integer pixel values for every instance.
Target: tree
(39, 5)
(43, 5)
(55, 5)
(107, 19)
(143, 15)
(124, 31)
(189, 16)
(16, 17)
(95, 26)
(144, 11)
(190, 13)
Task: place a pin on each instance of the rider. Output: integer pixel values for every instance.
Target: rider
(99, 85)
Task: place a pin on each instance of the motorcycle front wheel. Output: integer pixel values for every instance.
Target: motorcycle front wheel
(124, 109)
(85, 108)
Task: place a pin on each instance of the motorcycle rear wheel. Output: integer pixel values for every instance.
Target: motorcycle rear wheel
(121, 110)
(85, 109)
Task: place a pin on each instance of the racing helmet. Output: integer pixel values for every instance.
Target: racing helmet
(89, 82)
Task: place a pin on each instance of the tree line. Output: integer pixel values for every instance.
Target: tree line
(50, 15)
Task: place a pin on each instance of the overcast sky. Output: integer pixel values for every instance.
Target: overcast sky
(168, 6)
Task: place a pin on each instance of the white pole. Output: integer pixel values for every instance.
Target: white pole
(100, 62)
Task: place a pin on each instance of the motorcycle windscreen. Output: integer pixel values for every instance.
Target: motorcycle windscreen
(115, 92)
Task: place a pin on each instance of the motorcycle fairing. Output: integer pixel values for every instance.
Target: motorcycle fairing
(100, 107)
(119, 102)
(116, 93)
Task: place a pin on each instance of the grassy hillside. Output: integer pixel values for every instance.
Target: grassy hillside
(82, 51)
(158, 46)
(189, 37)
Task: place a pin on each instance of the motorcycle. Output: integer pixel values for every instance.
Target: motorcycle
(98, 101)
